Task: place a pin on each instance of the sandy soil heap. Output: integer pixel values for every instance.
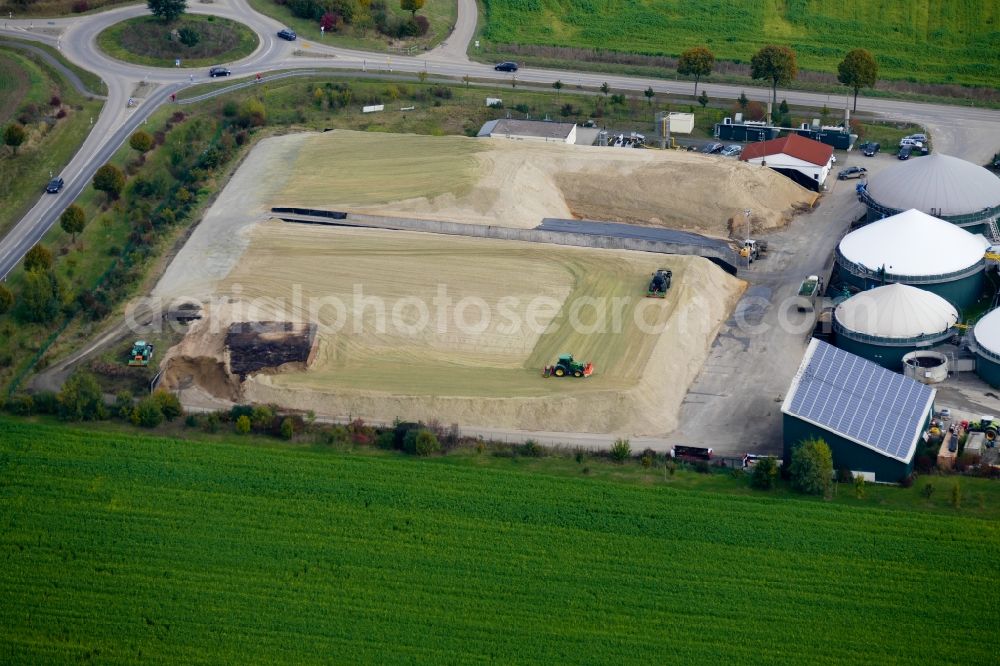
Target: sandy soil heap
(518, 183)
(420, 326)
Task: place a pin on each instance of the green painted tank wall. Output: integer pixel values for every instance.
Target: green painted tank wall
(960, 293)
(845, 452)
(988, 370)
(890, 358)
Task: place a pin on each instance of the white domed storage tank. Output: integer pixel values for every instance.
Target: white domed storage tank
(986, 336)
(917, 249)
(947, 187)
(887, 323)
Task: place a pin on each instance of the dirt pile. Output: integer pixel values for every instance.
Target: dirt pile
(518, 183)
(218, 354)
(269, 345)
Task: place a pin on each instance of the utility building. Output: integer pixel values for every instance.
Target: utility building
(529, 130)
(870, 417)
(805, 161)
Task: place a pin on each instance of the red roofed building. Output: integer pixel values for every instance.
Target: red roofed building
(805, 161)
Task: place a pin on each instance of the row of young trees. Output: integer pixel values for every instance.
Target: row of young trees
(778, 64)
(81, 399)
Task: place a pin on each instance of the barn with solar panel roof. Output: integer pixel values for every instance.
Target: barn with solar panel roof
(870, 417)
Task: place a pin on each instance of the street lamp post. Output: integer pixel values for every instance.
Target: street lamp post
(746, 214)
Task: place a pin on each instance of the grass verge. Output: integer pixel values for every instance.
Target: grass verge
(52, 140)
(145, 40)
(93, 83)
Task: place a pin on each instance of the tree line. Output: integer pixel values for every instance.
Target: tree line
(778, 65)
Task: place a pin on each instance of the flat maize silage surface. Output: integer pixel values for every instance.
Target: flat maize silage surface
(124, 548)
(479, 363)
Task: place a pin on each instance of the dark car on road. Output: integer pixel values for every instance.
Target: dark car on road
(54, 185)
(506, 67)
(905, 152)
(287, 34)
(852, 172)
(870, 149)
(219, 71)
(711, 148)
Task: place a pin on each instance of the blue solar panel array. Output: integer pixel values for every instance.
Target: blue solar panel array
(861, 400)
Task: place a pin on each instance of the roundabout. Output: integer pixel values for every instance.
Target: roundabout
(191, 41)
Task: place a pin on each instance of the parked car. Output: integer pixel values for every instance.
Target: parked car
(219, 71)
(287, 34)
(870, 149)
(710, 148)
(732, 150)
(54, 185)
(506, 67)
(922, 138)
(905, 152)
(852, 172)
(912, 143)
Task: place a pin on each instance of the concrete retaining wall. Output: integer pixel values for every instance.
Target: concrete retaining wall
(725, 260)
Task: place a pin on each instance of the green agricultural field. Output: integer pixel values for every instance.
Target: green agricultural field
(122, 548)
(922, 40)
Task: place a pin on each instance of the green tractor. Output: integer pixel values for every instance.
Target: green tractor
(566, 366)
(141, 354)
(660, 283)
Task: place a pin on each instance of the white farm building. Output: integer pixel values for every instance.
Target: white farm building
(805, 161)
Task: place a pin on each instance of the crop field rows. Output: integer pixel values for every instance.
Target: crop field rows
(120, 547)
(926, 41)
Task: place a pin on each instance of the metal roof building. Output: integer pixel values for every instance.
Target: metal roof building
(886, 323)
(870, 417)
(917, 249)
(986, 336)
(946, 187)
(529, 130)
